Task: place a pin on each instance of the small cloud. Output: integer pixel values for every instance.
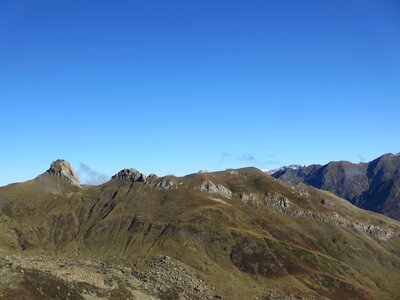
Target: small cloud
(361, 158)
(246, 157)
(91, 176)
(225, 156)
(262, 161)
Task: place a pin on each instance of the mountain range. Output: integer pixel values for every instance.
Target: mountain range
(233, 234)
(373, 186)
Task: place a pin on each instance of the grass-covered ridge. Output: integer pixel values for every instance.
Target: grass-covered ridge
(241, 231)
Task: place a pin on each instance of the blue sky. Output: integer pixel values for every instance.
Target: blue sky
(179, 86)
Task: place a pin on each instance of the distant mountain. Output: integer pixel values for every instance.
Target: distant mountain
(373, 186)
(234, 234)
(291, 167)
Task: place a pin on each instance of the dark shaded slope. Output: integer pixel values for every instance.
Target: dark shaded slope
(373, 186)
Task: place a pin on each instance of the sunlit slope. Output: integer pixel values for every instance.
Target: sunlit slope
(242, 231)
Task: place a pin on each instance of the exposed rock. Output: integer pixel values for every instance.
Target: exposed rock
(210, 187)
(282, 204)
(232, 172)
(303, 192)
(63, 169)
(334, 218)
(381, 233)
(152, 176)
(247, 197)
(269, 199)
(130, 174)
(219, 200)
(167, 184)
(277, 200)
(327, 202)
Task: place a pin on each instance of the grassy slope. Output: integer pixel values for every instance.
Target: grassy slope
(243, 248)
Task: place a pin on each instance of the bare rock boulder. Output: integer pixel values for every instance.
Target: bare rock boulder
(130, 174)
(63, 169)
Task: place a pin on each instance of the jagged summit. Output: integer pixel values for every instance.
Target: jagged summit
(131, 174)
(63, 169)
(290, 167)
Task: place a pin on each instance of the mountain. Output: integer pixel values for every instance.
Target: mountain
(234, 234)
(290, 167)
(373, 186)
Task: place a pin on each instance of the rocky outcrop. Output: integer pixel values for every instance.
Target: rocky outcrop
(64, 170)
(152, 176)
(268, 199)
(167, 184)
(282, 204)
(130, 174)
(211, 187)
(248, 196)
(232, 172)
(302, 192)
(327, 202)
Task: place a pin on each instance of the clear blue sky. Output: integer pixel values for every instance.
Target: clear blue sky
(179, 86)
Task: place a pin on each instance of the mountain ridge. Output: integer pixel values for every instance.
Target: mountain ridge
(373, 186)
(238, 233)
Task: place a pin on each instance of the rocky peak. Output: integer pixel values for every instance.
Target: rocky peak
(63, 169)
(131, 174)
(153, 176)
(285, 168)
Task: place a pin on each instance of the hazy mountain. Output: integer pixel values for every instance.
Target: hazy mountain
(292, 167)
(235, 234)
(373, 186)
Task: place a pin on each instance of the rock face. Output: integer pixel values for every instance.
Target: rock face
(373, 186)
(130, 174)
(153, 176)
(167, 184)
(211, 187)
(63, 169)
